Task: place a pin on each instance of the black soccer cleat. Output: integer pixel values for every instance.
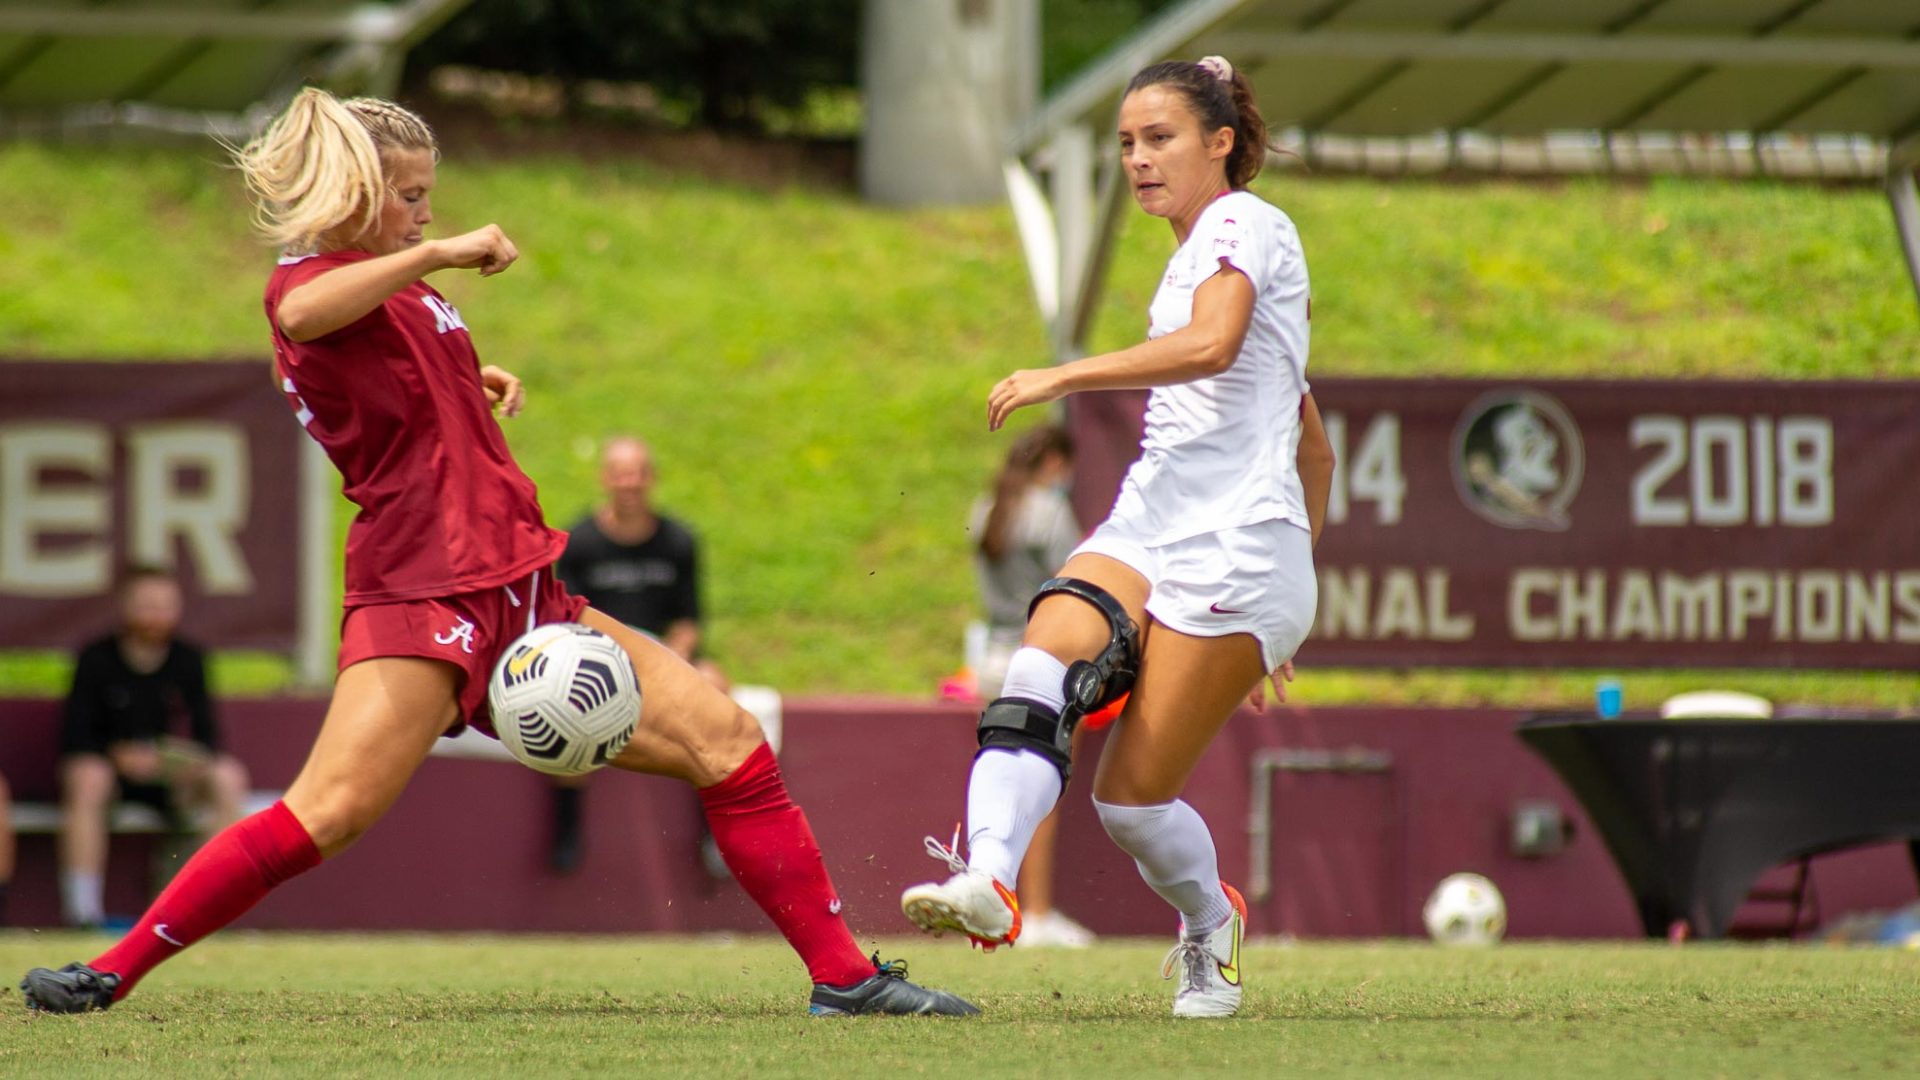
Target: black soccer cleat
(888, 993)
(75, 988)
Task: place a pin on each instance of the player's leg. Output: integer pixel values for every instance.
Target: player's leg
(1010, 792)
(690, 730)
(1188, 688)
(1012, 789)
(384, 717)
(1043, 924)
(87, 787)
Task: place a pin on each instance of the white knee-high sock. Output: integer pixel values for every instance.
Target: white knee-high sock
(1174, 850)
(1011, 792)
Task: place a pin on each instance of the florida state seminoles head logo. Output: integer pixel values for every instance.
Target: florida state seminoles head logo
(1517, 459)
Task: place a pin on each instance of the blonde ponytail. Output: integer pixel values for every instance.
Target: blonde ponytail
(319, 165)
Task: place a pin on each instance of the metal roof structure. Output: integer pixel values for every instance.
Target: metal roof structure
(195, 65)
(1813, 89)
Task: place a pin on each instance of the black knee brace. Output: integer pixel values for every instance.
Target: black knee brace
(1022, 724)
(1015, 724)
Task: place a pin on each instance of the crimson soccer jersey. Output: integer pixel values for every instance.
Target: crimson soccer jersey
(396, 401)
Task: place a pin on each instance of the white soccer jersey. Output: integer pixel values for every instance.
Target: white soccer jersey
(1219, 453)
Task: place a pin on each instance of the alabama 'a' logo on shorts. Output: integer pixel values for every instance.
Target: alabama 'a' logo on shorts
(461, 635)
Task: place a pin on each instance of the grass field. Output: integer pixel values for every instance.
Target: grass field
(811, 369)
(378, 1005)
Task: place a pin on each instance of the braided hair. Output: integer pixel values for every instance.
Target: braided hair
(322, 164)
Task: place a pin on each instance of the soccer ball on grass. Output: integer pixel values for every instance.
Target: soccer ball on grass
(1465, 909)
(564, 698)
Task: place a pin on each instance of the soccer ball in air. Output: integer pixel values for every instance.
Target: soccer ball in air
(1465, 909)
(564, 699)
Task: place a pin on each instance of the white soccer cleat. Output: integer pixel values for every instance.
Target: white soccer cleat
(970, 902)
(1056, 930)
(1209, 968)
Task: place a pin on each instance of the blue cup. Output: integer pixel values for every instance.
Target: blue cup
(1606, 699)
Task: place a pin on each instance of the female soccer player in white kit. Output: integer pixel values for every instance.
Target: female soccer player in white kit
(1200, 585)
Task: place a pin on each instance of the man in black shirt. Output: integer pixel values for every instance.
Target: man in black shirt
(640, 567)
(134, 691)
(633, 563)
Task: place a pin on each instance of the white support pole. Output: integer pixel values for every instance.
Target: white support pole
(1039, 240)
(1067, 237)
(1905, 197)
(975, 66)
(1113, 199)
(314, 652)
(1071, 179)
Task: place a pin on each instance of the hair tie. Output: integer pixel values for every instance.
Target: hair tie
(1218, 67)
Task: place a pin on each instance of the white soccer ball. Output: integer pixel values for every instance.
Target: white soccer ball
(1465, 909)
(564, 699)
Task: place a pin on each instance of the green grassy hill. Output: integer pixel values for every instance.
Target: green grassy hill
(812, 371)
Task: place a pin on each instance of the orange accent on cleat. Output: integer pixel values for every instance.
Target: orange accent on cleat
(1233, 897)
(1013, 904)
(971, 902)
(1013, 932)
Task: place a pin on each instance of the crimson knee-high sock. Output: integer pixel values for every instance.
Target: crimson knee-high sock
(770, 848)
(222, 880)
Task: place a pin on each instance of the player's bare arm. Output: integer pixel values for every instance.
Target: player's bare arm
(1315, 462)
(1206, 346)
(339, 298)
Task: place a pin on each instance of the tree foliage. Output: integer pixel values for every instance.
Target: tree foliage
(730, 60)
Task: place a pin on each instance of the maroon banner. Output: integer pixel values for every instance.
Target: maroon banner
(193, 466)
(1608, 523)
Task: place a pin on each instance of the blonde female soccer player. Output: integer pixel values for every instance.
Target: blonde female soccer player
(447, 562)
(1199, 586)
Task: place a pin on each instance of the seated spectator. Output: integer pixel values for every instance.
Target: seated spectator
(643, 568)
(139, 726)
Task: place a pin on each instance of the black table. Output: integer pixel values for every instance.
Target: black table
(1695, 810)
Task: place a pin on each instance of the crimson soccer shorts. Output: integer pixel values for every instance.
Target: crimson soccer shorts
(468, 630)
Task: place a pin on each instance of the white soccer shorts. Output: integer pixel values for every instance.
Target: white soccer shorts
(1254, 579)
